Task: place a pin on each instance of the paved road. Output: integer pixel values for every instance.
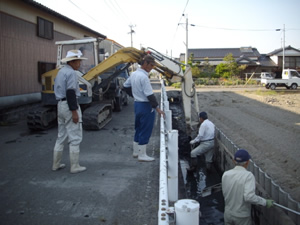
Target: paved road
(116, 189)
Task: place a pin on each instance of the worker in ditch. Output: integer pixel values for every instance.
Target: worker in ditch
(145, 107)
(206, 136)
(69, 116)
(238, 187)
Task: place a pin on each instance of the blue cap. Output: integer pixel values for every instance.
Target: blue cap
(241, 156)
(203, 115)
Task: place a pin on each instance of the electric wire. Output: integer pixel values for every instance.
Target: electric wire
(95, 20)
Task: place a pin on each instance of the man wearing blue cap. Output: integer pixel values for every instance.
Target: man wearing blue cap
(238, 187)
(206, 136)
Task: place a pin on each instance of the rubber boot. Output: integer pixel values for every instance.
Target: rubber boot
(193, 165)
(135, 153)
(74, 159)
(143, 155)
(57, 155)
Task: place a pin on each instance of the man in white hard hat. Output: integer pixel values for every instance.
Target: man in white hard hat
(69, 115)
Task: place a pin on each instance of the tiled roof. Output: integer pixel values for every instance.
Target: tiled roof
(243, 55)
(222, 52)
(276, 51)
(265, 61)
(51, 12)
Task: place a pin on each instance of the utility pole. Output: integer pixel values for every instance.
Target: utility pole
(283, 54)
(187, 38)
(283, 46)
(131, 32)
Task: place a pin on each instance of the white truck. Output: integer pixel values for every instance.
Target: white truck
(290, 80)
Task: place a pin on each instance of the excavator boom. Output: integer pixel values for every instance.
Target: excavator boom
(164, 65)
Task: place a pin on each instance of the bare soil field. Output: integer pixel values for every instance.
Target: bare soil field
(266, 123)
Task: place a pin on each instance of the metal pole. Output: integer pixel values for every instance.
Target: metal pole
(288, 209)
(283, 60)
(187, 39)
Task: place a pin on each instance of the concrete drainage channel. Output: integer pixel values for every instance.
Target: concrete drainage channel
(212, 206)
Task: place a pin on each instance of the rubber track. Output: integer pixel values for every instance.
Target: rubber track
(91, 115)
(42, 118)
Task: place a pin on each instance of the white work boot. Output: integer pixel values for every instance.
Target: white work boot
(57, 155)
(74, 159)
(143, 155)
(135, 153)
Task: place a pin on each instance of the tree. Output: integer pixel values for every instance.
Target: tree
(229, 68)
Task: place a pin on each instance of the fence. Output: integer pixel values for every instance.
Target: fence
(186, 211)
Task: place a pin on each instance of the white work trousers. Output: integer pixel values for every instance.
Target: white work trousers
(66, 127)
(233, 220)
(206, 148)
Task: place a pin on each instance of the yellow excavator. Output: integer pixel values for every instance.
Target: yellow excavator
(101, 88)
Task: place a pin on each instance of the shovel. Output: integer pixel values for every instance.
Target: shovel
(212, 189)
(288, 209)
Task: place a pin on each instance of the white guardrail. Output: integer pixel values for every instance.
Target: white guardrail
(184, 211)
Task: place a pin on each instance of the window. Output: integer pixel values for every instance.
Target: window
(44, 67)
(44, 28)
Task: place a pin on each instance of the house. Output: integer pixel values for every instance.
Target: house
(291, 58)
(28, 34)
(249, 56)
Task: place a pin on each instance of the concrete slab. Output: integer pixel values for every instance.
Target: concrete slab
(115, 189)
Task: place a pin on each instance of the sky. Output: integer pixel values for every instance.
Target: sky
(162, 24)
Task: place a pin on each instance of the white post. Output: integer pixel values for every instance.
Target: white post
(168, 120)
(173, 165)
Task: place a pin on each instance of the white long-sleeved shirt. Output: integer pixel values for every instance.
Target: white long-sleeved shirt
(238, 187)
(66, 79)
(206, 131)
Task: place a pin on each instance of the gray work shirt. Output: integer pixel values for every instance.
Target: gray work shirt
(140, 85)
(66, 79)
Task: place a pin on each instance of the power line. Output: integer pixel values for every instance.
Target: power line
(187, 2)
(95, 20)
(236, 29)
(121, 10)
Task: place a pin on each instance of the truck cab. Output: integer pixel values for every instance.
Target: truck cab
(266, 75)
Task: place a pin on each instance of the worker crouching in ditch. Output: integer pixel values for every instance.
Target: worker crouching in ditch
(206, 137)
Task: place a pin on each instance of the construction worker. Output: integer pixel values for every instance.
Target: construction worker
(69, 115)
(206, 137)
(238, 187)
(145, 104)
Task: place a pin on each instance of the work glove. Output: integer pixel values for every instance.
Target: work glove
(269, 203)
(192, 142)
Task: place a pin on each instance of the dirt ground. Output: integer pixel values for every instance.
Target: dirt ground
(266, 123)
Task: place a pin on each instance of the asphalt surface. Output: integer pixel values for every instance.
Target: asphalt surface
(116, 189)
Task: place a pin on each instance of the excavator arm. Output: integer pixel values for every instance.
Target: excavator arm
(164, 65)
(168, 67)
